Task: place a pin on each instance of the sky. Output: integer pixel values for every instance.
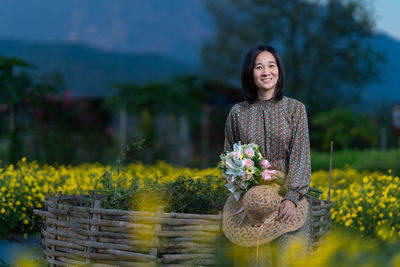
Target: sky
(387, 15)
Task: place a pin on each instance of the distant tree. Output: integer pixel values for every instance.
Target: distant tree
(346, 128)
(324, 44)
(13, 87)
(18, 87)
(182, 96)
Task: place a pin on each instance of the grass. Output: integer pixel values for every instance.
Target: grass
(372, 160)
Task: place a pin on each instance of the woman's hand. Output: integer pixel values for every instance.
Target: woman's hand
(287, 212)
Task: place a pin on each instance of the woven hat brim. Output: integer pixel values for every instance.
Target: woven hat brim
(245, 234)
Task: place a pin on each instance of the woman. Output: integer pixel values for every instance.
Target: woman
(278, 124)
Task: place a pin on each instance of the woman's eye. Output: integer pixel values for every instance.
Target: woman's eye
(258, 67)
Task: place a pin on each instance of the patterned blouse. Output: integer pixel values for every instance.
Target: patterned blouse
(280, 129)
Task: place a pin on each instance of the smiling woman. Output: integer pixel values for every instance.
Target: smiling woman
(278, 125)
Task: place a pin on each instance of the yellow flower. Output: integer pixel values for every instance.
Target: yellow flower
(2, 211)
(362, 228)
(348, 222)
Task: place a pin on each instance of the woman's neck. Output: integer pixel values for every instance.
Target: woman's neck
(265, 94)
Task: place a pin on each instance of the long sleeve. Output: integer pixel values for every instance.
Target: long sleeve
(299, 169)
(231, 130)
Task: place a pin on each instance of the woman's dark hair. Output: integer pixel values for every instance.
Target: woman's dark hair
(248, 86)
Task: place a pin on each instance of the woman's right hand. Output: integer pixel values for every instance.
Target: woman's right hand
(287, 211)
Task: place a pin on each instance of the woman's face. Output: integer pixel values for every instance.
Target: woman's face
(265, 72)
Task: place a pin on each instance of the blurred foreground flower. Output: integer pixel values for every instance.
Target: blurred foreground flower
(341, 248)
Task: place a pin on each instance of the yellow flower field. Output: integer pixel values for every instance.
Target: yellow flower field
(24, 186)
(364, 201)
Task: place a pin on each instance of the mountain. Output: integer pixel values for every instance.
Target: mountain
(387, 88)
(175, 28)
(92, 71)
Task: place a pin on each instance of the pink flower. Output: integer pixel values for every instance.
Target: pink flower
(249, 152)
(229, 179)
(247, 176)
(267, 175)
(265, 163)
(249, 163)
(237, 154)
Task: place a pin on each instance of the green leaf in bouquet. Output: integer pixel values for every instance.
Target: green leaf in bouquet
(279, 180)
(316, 190)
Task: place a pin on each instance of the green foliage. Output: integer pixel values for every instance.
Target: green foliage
(19, 89)
(13, 88)
(190, 195)
(60, 123)
(13, 83)
(372, 160)
(346, 128)
(184, 97)
(119, 197)
(185, 194)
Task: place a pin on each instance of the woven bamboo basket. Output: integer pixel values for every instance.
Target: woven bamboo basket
(321, 212)
(76, 231)
(321, 221)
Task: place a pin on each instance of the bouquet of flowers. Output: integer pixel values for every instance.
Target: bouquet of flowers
(244, 167)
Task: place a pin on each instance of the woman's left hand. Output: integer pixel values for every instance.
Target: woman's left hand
(287, 211)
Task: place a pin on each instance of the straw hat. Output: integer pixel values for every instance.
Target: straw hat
(256, 224)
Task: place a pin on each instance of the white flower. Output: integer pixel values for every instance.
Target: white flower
(231, 188)
(229, 164)
(236, 195)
